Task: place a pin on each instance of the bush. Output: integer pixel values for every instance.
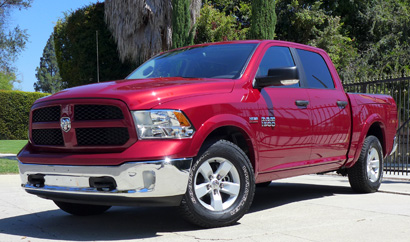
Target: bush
(213, 25)
(14, 113)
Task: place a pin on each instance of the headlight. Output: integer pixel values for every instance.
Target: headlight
(162, 124)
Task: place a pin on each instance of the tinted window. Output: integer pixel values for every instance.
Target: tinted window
(316, 70)
(275, 57)
(212, 61)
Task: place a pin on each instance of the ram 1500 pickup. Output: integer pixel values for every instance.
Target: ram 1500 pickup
(198, 127)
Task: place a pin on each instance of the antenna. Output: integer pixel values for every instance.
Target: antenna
(98, 63)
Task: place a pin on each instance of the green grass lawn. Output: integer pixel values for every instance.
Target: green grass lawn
(8, 166)
(11, 146)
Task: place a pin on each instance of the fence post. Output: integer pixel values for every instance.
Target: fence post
(364, 88)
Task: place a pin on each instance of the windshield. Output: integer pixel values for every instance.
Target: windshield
(212, 61)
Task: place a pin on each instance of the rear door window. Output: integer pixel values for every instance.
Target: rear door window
(316, 70)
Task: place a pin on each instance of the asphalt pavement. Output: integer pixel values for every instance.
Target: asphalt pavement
(306, 208)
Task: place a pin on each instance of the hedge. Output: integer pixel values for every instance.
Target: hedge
(14, 113)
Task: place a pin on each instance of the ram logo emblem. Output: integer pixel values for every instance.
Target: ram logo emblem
(65, 124)
(268, 122)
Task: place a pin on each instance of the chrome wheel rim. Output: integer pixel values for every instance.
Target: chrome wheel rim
(373, 165)
(217, 184)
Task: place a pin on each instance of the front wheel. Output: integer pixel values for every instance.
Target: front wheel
(367, 174)
(81, 209)
(220, 188)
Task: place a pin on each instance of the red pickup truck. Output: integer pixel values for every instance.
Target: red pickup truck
(198, 127)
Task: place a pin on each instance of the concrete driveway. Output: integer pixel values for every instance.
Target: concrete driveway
(306, 208)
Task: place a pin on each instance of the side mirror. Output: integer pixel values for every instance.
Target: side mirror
(283, 76)
(148, 71)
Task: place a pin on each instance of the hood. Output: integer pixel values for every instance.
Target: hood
(146, 93)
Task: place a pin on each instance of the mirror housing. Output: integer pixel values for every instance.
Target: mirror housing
(283, 76)
(148, 71)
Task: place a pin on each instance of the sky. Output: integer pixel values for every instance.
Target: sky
(39, 20)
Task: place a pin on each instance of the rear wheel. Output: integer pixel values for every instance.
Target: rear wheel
(367, 174)
(81, 209)
(220, 188)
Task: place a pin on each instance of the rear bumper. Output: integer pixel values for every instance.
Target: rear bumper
(161, 182)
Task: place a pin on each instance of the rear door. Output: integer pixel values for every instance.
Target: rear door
(329, 108)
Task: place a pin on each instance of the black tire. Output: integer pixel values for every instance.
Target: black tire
(367, 174)
(221, 186)
(81, 209)
(263, 184)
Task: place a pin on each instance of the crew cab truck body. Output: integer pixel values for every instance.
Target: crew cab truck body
(199, 126)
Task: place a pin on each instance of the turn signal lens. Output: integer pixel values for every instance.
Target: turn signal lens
(183, 121)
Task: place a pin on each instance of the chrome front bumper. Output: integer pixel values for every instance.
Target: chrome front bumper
(139, 183)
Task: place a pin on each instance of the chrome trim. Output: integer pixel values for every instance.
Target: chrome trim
(65, 124)
(171, 178)
(247, 62)
(395, 145)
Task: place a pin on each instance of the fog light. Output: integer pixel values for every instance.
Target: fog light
(149, 179)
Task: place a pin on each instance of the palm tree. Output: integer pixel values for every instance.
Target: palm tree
(142, 28)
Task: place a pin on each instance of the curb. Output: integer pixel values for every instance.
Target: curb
(8, 156)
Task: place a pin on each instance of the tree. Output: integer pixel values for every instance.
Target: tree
(48, 74)
(75, 47)
(143, 28)
(12, 42)
(365, 38)
(181, 24)
(386, 47)
(312, 23)
(263, 20)
(241, 10)
(213, 25)
(380, 30)
(7, 80)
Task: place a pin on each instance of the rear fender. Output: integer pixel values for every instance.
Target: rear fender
(372, 119)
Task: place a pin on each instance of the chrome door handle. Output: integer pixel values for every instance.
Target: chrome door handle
(342, 104)
(301, 103)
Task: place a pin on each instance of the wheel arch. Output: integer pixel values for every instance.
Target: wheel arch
(375, 126)
(376, 130)
(229, 127)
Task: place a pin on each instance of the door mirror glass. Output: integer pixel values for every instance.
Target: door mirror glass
(282, 76)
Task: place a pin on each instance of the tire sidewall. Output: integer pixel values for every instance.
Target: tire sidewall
(374, 143)
(245, 196)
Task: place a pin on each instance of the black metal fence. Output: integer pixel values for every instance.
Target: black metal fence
(398, 88)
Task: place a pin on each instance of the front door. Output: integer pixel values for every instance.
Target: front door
(284, 134)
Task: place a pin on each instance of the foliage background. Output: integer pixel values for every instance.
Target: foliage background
(12, 42)
(48, 74)
(75, 47)
(14, 113)
(366, 39)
